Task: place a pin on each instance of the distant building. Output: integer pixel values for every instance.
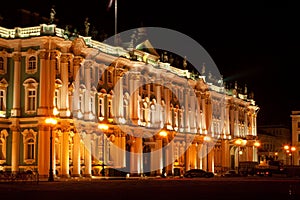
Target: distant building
(273, 138)
(295, 142)
(132, 95)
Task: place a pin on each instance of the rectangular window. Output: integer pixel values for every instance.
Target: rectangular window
(56, 98)
(80, 102)
(2, 100)
(31, 100)
(298, 137)
(110, 115)
(2, 156)
(30, 151)
(101, 108)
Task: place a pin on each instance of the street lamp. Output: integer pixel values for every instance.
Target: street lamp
(52, 122)
(164, 134)
(103, 127)
(207, 139)
(289, 151)
(240, 142)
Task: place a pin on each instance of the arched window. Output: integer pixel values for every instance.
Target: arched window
(29, 144)
(31, 67)
(30, 95)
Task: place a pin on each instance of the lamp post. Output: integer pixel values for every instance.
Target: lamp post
(207, 139)
(103, 127)
(239, 142)
(289, 152)
(52, 122)
(164, 134)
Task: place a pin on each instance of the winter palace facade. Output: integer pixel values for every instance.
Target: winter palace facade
(113, 108)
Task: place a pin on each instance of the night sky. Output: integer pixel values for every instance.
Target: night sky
(253, 42)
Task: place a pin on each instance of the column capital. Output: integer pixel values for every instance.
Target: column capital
(17, 57)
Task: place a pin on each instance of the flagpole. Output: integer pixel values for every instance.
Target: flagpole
(116, 14)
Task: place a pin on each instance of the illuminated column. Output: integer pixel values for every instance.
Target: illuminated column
(193, 156)
(15, 111)
(186, 111)
(139, 153)
(15, 151)
(254, 124)
(44, 83)
(204, 111)
(134, 92)
(170, 157)
(246, 124)
(51, 83)
(76, 156)
(76, 64)
(123, 150)
(77, 71)
(167, 104)
(117, 100)
(43, 151)
(65, 154)
(199, 156)
(87, 156)
(158, 119)
(187, 158)
(226, 120)
(225, 154)
(211, 160)
(193, 101)
(199, 112)
(158, 158)
(236, 121)
(133, 159)
(64, 89)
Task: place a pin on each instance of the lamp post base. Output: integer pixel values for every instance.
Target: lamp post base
(51, 177)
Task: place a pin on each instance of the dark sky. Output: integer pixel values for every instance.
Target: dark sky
(254, 42)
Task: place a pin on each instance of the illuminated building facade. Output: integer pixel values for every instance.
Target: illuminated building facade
(84, 83)
(295, 142)
(272, 139)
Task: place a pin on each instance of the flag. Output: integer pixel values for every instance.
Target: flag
(109, 4)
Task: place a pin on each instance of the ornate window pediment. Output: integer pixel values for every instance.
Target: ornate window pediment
(29, 145)
(3, 62)
(31, 89)
(31, 61)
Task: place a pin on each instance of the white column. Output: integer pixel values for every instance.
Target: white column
(65, 154)
(15, 151)
(123, 151)
(117, 100)
(87, 156)
(204, 112)
(76, 156)
(158, 158)
(15, 111)
(186, 116)
(44, 83)
(158, 120)
(134, 103)
(64, 89)
(43, 151)
(139, 153)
